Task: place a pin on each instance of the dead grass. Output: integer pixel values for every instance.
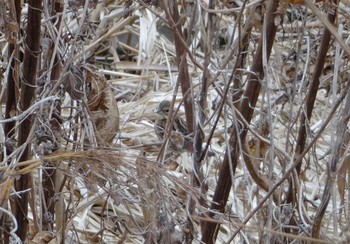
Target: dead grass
(121, 192)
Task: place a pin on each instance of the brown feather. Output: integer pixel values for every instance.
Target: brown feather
(179, 128)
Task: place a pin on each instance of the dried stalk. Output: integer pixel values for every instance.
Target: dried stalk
(293, 166)
(247, 106)
(312, 92)
(30, 64)
(11, 94)
(332, 168)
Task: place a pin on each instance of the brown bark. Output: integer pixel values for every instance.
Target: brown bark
(247, 105)
(13, 76)
(11, 98)
(311, 97)
(313, 88)
(332, 168)
(172, 13)
(32, 49)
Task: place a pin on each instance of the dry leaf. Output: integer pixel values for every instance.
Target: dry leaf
(102, 105)
(5, 189)
(73, 83)
(43, 237)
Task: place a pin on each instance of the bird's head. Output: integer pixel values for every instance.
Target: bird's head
(164, 107)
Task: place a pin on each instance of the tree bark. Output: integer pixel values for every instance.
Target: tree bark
(28, 82)
(250, 97)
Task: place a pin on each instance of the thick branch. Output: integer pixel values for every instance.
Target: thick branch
(31, 54)
(172, 12)
(313, 88)
(247, 106)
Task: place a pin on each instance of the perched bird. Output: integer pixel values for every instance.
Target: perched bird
(179, 130)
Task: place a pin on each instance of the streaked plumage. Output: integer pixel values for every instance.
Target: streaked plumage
(179, 128)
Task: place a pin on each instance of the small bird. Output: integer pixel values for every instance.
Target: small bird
(179, 130)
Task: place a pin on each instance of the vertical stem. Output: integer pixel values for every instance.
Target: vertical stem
(313, 88)
(250, 97)
(12, 96)
(31, 54)
(181, 54)
(49, 171)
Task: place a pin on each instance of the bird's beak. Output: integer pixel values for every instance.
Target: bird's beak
(157, 110)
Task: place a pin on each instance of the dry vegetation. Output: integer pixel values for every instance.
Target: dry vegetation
(263, 87)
